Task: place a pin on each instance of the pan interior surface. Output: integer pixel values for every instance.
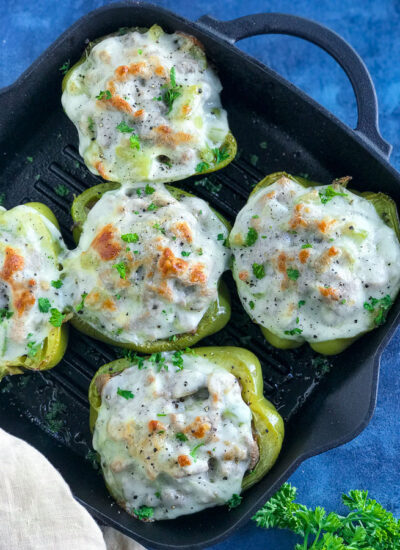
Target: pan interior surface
(324, 401)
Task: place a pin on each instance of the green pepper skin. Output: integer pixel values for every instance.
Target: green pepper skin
(244, 365)
(215, 318)
(386, 209)
(229, 144)
(56, 343)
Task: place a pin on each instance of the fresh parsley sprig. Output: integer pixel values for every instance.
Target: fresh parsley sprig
(368, 526)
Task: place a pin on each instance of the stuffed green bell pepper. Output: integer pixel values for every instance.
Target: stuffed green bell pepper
(146, 273)
(178, 432)
(32, 335)
(147, 107)
(316, 263)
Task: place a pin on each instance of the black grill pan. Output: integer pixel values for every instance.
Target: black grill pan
(324, 402)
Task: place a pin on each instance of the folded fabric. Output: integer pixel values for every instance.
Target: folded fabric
(37, 509)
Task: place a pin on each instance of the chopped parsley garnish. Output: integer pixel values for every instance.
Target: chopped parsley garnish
(251, 237)
(301, 303)
(161, 414)
(254, 160)
(159, 228)
(220, 154)
(126, 394)
(293, 274)
(234, 501)
(148, 189)
(5, 314)
(220, 237)
(44, 305)
(33, 348)
(29, 159)
(293, 331)
(251, 304)
(173, 338)
(152, 206)
(134, 142)
(193, 452)
(263, 145)
(255, 217)
(124, 128)
(134, 358)
(184, 253)
(61, 190)
(140, 51)
(130, 237)
(202, 167)
(343, 301)
(177, 360)
(104, 94)
(380, 306)
(82, 302)
(258, 271)
(121, 268)
(57, 284)
(159, 360)
(56, 318)
(143, 513)
(172, 91)
(181, 437)
(327, 194)
(65, 67)
(307, 245)
(91, 124)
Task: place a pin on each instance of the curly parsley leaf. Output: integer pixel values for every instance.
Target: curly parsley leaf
(293, 331)
(368, 526)
(220, 154)
(134, 142)
(57, 284)
(180, 436)
(5, 314)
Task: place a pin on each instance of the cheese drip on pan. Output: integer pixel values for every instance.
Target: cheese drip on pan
(314, 264)
(29, 247)
(147, 266)
(147, 107)
(175, 439)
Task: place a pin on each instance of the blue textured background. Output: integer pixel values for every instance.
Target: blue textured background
(372, 460)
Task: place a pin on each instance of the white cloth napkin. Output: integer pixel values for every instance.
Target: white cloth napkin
(37, 509)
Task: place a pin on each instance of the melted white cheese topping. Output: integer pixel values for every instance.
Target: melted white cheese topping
(130, 134)
(313, 266)
(159, 284)
(29, 243)
(181, 444)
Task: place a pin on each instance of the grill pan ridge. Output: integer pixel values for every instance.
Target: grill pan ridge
(324, 402)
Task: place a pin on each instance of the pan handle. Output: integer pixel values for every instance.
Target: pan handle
(328, 40)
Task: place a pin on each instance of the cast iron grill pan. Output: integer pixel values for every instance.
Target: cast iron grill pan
(324, 402)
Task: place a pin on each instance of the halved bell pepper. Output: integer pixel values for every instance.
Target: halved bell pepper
(55, 343)
(386, 209)
(213, 162)
(215, 318)
(268, 427)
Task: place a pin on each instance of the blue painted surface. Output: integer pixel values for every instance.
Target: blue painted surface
(371, 461)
